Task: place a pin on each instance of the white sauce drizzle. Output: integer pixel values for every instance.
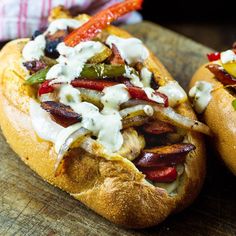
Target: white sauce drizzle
(71, 61)
(134, 79)
(146, 76)
(201, 94)
(69, 95)
(148, 110)
(174, 92)
(34, 49)
(106, 125)
(152, 96)
(63, 24)
(42, 123)
(131, 50)
(113, 97)
(227, 56)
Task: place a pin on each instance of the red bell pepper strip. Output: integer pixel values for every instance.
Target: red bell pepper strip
(161, 175)
(213, 56)
(92, 84)
(138, 93)
(100, 21)
(135, 92)
(45, 88)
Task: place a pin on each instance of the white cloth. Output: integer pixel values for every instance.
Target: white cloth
(20, 18)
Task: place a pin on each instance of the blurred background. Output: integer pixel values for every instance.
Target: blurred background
(209, 22)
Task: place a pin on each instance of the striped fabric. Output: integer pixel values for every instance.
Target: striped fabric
(20, 18)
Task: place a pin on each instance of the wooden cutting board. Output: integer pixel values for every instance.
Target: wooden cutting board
(29, 206)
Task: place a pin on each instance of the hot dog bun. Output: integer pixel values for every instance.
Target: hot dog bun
(220, 116)
(113, 189)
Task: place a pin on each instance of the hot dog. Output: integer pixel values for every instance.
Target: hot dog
(212, 89)
(92, 123)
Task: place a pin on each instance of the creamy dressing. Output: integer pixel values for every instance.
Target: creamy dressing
(69, 95)
(144, 84)
(146, 76)
(34, 49)
(42, 123)
(131, 50)
(148, 110)
(113, 97)
(105, 125)
(227, 56)
(134, 78)
(174, 92)
(71, 61)
(107, 128)
(63, 24)
(201, 94)
(152, 96)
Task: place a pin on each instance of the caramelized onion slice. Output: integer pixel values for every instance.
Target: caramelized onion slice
(72, 141)
(169, 115)
(134, 121)
(136, 115)
(138, 110)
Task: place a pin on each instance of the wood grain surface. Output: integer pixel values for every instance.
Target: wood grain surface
(29, 206)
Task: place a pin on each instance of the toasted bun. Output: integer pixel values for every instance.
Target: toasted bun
(220, 116)
(111, 188)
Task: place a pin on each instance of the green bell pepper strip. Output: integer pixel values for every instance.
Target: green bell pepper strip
(90, 71)
(101, 71)
(38, 78)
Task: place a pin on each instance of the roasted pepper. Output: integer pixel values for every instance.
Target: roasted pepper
(100, 71)
(135, 92)
(100, 57)
(38, 78)
(90, 71)
(100, 21)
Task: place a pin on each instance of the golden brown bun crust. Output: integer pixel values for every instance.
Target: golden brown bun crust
(220, 116)
(112, 189)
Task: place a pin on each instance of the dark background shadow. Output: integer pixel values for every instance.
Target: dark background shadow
(209, 22)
